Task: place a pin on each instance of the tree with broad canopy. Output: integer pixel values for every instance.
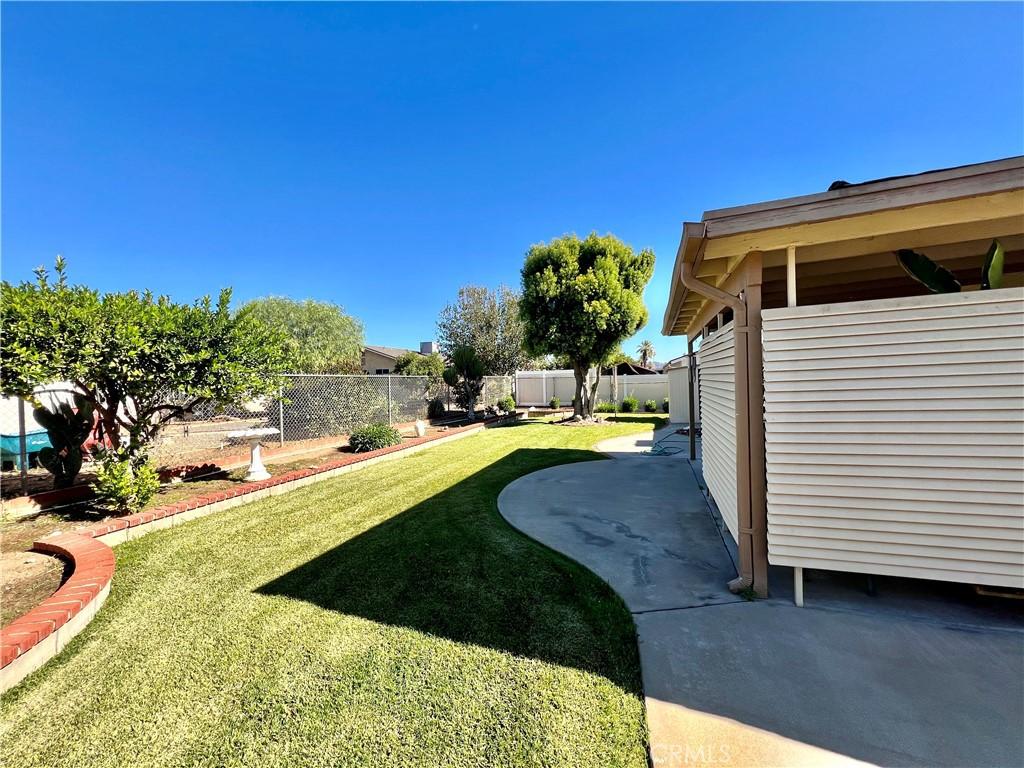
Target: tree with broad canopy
(581, 299)
(488, 322)
(138, 360)
(320, 336)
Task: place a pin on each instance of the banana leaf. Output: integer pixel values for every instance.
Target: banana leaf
(992, 272)
(932, 276)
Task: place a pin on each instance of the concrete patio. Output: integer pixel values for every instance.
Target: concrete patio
(916, 673)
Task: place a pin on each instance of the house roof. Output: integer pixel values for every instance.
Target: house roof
(868, 217)
(393, 352)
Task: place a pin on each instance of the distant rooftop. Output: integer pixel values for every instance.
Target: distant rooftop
(392, 352)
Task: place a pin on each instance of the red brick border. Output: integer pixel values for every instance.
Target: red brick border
(92, 561)
(92, 564)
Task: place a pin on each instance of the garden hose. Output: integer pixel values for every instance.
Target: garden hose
(664, 446)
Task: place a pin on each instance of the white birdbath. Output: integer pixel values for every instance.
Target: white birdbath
(254, 437)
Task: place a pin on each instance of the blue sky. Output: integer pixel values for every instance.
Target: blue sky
(379, 156)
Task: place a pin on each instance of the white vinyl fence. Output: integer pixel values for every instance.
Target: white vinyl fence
(536, 388)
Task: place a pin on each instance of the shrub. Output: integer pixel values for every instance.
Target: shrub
(555, 403)
(373, 437)
(630, 405)
(664, 405)
(123, 484)
(507, 404)
(650, 406)
(436, 409)
(603, 407)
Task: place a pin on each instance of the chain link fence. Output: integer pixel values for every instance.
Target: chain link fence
(495, 388)
(311, 409)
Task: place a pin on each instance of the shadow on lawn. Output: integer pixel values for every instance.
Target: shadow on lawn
(451, 566)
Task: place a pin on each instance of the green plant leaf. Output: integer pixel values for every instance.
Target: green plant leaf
(992, 272)
(932, 276)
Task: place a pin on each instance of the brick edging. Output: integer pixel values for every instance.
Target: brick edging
(68, 610)
(63, 614)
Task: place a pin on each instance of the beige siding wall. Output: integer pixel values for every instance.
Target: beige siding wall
(716, 366)
(895, 436)
(373, 361)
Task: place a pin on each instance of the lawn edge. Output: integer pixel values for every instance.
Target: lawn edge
(32, 639)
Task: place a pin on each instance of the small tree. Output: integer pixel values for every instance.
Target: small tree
(581, 299)
(320, 337)
(489, 322)
(466, 378)
(138, 360)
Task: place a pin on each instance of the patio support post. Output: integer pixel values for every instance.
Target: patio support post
(791, 276)
(750, 468)
(691, 375)
(798, 573)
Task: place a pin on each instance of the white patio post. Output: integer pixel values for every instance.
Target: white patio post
(798, 573)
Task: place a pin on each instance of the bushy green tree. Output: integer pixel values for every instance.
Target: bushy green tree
(488, 322)
(139, 360)
(413, 364)
(321, 338)
(581, 299)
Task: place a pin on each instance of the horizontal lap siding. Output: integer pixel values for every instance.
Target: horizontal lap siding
(716, 365)
(895, 436)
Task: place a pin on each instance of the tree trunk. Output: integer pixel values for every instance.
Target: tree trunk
(593, 392)
(578, 404)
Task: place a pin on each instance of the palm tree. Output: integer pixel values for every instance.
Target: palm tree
(646, 352)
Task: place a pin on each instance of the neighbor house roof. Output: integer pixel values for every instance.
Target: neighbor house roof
(633, 369)
(976, 201)
(393, 352)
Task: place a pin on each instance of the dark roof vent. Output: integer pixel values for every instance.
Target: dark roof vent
(839, 184)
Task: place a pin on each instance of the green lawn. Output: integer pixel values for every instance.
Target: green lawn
(389, 617)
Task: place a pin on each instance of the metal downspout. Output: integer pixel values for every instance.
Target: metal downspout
(752, 572)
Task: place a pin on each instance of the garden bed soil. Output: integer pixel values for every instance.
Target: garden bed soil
(27, 578)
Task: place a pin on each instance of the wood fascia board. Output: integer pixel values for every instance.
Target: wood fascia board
(689, 242)
(967, 181)
(1002, 205)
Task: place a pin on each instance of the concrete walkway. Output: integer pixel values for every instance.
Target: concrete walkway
(908, 680)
